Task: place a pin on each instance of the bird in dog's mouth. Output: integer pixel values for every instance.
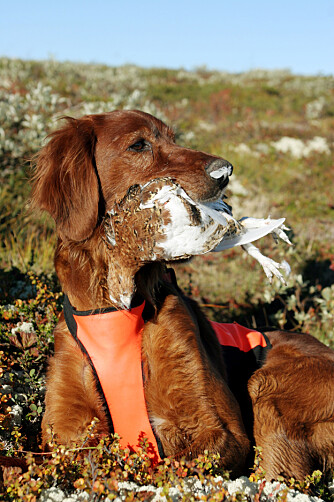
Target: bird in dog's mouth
(159, 221)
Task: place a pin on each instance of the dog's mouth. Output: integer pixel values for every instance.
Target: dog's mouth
(168, 223)
(159, 221)
(216, 196)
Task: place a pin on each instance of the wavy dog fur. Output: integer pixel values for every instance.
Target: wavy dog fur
(85, 168)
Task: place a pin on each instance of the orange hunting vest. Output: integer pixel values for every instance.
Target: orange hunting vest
(111, 339)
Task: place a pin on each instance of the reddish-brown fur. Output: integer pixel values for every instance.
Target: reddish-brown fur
(84, 169)
(293, 405)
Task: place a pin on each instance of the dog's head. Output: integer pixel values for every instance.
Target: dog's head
(122, 176)
(90, 163)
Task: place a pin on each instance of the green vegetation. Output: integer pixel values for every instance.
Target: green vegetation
(277, 129)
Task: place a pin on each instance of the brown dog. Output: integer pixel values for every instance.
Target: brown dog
(83, 174)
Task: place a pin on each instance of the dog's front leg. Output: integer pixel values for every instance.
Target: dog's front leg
(190, 406)
(72, 399)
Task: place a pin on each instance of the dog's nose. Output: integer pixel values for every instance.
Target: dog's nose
(219, 169)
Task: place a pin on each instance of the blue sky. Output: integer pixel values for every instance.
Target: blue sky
(226, 35)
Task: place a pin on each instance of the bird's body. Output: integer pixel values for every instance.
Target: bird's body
(159, 221)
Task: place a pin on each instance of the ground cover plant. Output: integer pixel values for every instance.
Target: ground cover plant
(277, 129)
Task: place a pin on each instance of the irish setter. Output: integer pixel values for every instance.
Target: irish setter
(85, 171)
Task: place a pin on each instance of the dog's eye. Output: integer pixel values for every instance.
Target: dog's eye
(140, 146)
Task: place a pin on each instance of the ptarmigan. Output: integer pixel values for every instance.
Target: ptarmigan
(159, 221)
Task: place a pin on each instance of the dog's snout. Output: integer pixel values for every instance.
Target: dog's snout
(219, 169)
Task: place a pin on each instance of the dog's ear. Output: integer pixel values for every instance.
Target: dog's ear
(65, 182)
